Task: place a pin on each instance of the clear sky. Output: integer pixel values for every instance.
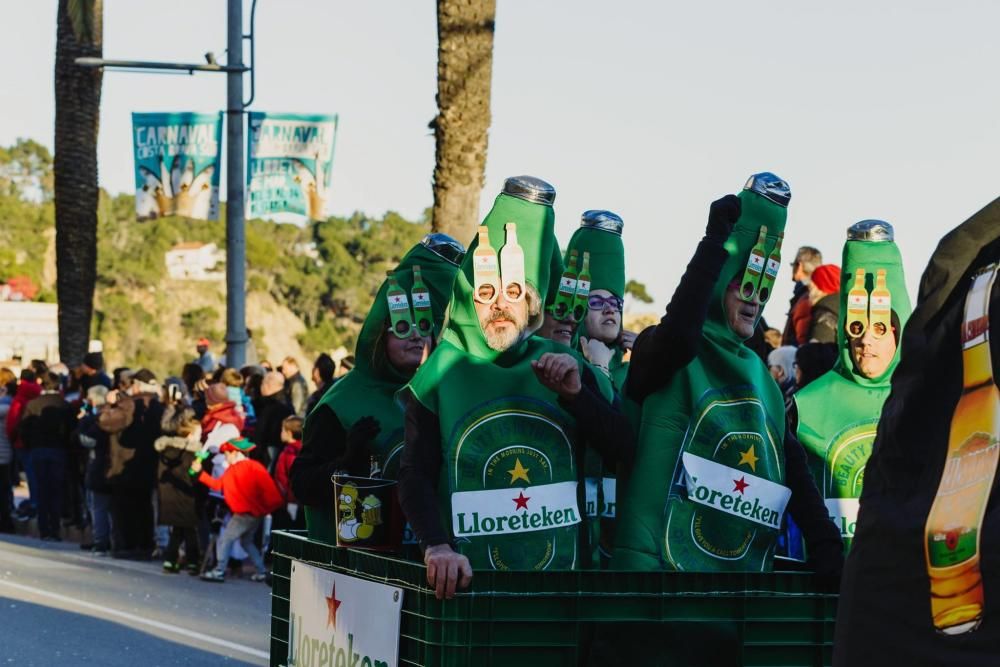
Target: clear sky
(652, 109)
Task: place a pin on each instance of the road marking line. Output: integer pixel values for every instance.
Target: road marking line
(184, 632)
(17, 558)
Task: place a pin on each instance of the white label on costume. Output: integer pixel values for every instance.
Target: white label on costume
(844, 513)
(610, 485)
(734, 491)
(514, 510)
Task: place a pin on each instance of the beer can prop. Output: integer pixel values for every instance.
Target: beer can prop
(367, 512)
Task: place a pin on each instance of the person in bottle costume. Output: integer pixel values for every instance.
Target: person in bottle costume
(597, 260)
(715, 469)
(597, 256)
(494, 419)
(565, 309)
(358, 418)
(921, 584)
(835, 416)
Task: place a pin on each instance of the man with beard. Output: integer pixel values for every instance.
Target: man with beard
(489, 475)
(838, 434)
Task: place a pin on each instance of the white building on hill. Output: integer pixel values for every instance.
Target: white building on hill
(29, 330)
(195, 261)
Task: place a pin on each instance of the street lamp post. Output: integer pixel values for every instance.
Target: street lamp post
(236, 326)
(236, 245)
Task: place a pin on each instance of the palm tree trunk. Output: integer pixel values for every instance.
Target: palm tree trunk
(465, 69)
(78, 101)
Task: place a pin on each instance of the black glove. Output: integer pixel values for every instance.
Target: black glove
(358, 441)
(722, 217)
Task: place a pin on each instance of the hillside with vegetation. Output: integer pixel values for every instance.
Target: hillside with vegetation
(309, 287)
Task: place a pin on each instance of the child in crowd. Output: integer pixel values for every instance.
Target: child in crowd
(179, 497)
(250, 494)
(233, 380)
(290, 517)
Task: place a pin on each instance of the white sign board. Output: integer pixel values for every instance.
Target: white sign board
(338, 621)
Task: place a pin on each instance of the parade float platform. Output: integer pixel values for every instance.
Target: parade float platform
(546, 618)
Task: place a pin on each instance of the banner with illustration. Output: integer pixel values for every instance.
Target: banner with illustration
(177, 164)
(335, 619)
(289, 161)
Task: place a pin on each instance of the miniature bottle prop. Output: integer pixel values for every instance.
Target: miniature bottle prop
(512, 265)
(486, 269)
(399, 308)
(880, 307)
(566, 295)
(582, 289)
(770, 271)
(422, 315)
(755, 267)
(857, 306)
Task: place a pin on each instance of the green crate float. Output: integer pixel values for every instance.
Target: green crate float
(544, 618)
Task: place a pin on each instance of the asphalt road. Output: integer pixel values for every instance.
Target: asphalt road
(62, 606)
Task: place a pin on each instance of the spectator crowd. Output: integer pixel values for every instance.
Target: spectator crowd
(191, 469)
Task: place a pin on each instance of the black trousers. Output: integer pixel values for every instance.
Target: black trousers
(132, 519)
(189, 537)
(6, 499)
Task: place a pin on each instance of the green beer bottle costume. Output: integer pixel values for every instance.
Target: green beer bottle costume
(838, 434)
(707, 492)
(508, 482)
(368, 390)
(598, 242)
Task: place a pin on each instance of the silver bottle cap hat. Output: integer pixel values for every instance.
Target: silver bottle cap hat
(604, 220)
(871, 230)
(770, 187)
(444, 247)
(530, 189)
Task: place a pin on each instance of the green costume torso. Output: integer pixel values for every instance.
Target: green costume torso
(838, 413)
(369, 389)
(509, 483)
(509, 480)
(707, 491)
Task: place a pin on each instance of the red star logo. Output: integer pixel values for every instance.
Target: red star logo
(521, 501)
(740, 485)
(332, 605)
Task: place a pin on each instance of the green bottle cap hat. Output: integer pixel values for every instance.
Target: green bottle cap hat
(764, 207)
(871, 250)
(600, 235)
(526, 202)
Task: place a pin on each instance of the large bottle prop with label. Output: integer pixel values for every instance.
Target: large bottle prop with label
(953, 527)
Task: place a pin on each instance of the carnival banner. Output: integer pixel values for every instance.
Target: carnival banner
(336, 619)
(177, 164)
(290, 158)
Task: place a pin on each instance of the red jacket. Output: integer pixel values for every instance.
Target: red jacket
(799, 319)
(26, 392)
(222, 413)
(284, 466)
(246, 488)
